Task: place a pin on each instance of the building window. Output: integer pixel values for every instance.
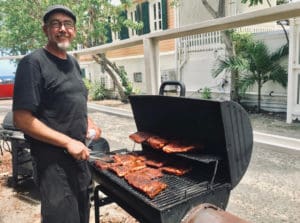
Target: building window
(82, 72)
(133, 18)
(156, 16)
(137, 77)
(103, 81)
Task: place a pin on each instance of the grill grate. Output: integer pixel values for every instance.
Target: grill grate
(179, 188)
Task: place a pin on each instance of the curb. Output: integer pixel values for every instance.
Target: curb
(111, 110)
(277, 142)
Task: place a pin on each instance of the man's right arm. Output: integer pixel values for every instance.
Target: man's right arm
(36, 129)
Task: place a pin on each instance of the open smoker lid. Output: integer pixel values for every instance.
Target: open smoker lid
(223, 127)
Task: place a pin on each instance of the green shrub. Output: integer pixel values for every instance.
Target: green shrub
(97, 91)
(125, 82)
(87, 83)
(206, 93)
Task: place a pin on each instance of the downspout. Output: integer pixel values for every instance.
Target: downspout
(177, 43)
(183, 62)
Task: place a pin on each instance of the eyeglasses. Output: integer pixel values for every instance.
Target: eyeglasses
(58, 24)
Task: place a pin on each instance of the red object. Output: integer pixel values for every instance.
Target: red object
(6, 87)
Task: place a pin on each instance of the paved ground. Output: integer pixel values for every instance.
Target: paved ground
(269, 192)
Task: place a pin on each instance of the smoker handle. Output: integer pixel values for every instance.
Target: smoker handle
(176, 83)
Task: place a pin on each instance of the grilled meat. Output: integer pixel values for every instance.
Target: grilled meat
(126, 158)
(140, 137)
(148, 172)
(102, 165)
(157, 142)
(150, 187)
(180, 147)
(176, 170)
(122, 170)
(154, 161)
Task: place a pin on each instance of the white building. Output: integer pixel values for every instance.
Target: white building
(189, 59)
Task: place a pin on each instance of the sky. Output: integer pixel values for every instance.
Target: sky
(7, 68)
(115, 2)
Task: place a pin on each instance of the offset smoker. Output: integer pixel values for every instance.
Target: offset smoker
(224, 129)
(15, 142)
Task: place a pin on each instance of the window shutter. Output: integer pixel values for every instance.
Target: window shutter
(138, 17)
(145, 17)
(164, 11)
(108, 33)
(124, 34)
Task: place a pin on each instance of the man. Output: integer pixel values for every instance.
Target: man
(50, 107)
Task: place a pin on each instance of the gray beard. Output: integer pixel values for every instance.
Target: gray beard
(63, 46)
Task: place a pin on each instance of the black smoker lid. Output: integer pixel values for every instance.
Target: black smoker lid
(8, 123)
(224, 127)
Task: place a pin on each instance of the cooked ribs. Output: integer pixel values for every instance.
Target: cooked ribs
(120, 170)
(133, 168)
(102, 165)
(127, 167)
(126, 158)
(157, 142)
(140, 137)
(141, 182)
(154, 161)
(176, 170)
(179, 147)
(148, 172)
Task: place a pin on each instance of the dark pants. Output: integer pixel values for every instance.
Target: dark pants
(64, 194)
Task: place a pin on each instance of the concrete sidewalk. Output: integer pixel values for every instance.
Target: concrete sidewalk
(276, 141)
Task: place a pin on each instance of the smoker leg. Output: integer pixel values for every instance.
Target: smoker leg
(98, 202)
(14, 148)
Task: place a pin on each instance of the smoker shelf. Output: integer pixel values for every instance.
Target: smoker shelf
(204, 158)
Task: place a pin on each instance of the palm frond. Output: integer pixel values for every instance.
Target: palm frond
(279, 75)
(281, 52)
(230, 64)
(246, 82)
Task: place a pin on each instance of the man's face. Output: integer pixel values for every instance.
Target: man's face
(60, 30)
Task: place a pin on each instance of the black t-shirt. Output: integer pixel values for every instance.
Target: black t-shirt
(52, 89)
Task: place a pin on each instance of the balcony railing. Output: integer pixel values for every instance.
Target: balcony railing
(213, 40)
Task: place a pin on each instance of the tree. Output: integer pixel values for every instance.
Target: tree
(219, 12)
(279, 2)
(20, 30)
(263, 67)
(255, 65)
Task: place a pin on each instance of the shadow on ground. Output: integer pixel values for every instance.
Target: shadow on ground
(25, 190)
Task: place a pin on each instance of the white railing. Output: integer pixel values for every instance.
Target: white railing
(259, 29)
(213, 40)
(201, 42)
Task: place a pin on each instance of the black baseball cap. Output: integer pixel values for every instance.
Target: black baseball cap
(58, 8)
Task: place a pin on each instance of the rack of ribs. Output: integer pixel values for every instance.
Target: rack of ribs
(176, 170)
(180, 147)
(145, 184)
(157, 142)
(139, 137)
(127, 167)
